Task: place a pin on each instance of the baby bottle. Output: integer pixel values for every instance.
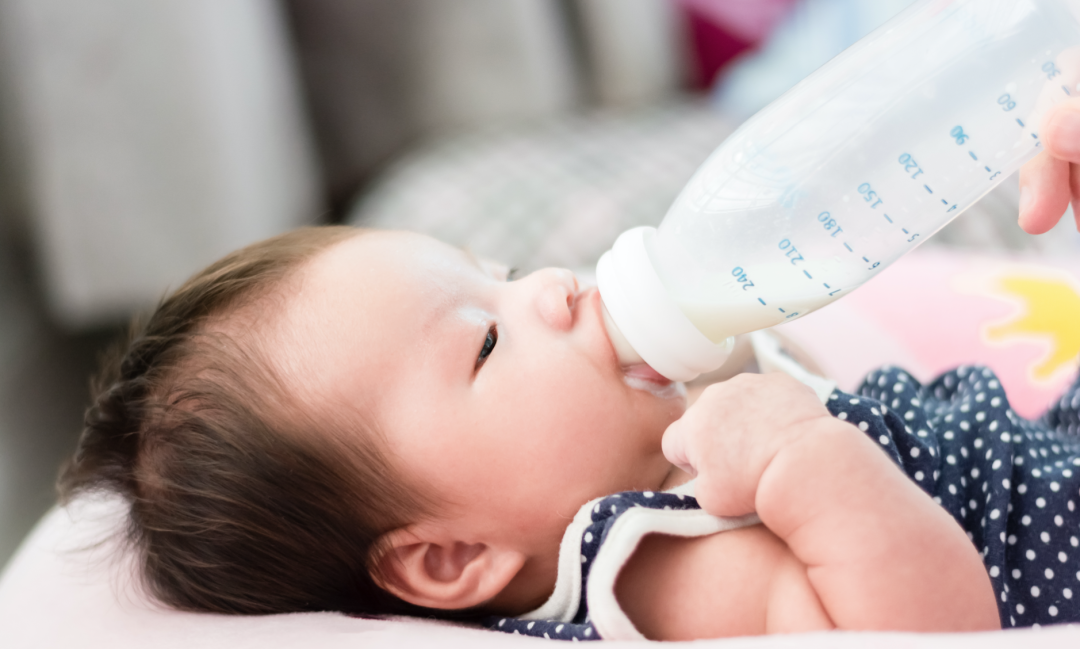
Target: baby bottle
(853, 167)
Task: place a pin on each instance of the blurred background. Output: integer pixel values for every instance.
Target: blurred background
(140, 140)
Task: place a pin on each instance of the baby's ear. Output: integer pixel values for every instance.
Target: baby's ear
(419, 565)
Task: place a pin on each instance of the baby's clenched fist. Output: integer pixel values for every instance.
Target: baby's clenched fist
(730, 435)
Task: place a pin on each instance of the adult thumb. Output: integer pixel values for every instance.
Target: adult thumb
(1060, 131)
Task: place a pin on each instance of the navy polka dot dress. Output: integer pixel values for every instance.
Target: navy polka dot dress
(1011, 483)
(602, 516)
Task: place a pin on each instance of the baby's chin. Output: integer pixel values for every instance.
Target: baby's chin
(644, 378)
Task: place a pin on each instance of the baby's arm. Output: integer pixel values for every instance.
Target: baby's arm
(741, 582)
(850, 543)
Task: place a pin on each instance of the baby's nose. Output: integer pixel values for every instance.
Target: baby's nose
(555, 298)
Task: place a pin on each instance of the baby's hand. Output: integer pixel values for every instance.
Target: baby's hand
(875, 551)
(730, 435)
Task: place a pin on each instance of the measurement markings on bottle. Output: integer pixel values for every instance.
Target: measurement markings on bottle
(829, 223)
(742, 278)
(869, 195)
(910, 165)
(987, 168)
(791, 252)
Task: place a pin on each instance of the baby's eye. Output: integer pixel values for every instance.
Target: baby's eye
(489, 346)
(511, 274)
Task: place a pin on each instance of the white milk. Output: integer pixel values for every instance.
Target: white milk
(719, 319)
(844, 174)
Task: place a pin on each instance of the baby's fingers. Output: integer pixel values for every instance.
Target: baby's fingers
(722, 487)
(675, 446)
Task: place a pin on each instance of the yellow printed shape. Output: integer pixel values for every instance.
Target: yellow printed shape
(1050, 312)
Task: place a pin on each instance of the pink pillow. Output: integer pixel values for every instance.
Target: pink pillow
(936, 309)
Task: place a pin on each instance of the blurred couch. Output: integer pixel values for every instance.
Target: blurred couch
(148, 138)
(558, 191)
(142, 140)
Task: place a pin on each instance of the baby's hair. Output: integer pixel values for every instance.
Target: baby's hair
(239, 503)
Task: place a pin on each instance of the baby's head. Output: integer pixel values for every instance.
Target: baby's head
(370, 422)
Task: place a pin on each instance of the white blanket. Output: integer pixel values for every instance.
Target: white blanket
(53, 595)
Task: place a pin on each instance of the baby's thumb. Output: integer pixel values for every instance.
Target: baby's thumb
(675, 447)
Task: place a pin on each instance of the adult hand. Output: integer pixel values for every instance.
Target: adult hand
(1052, 179)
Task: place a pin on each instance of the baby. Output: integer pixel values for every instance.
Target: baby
(375, 422)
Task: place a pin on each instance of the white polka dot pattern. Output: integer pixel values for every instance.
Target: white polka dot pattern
(604, 515)
(1012, 484)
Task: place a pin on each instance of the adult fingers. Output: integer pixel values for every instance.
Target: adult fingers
(1074, 184)
(1060, 131)
(1044, 192)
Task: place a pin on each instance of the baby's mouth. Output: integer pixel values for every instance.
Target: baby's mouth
(644, 378)
(643, 372)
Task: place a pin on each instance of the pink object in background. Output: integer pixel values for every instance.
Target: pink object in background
(934, 310)
(722, 29)
(750, 20)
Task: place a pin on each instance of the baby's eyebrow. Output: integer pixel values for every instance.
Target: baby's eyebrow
(489, 266)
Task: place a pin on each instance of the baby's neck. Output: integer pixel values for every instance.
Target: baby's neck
(674, 478)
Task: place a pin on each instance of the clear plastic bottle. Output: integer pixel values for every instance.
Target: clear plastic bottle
(850, 169)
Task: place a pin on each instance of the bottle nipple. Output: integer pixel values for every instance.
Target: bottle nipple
(626, 354)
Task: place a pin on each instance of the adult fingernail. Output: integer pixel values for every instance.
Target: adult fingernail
(1026, 197)
(1066, 131)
